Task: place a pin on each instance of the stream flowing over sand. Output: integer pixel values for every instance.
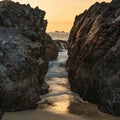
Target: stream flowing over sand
(60, 103)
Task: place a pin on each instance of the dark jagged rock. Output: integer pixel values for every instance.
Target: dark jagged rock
(22, 70)
(23, 56)
(115, 1)
(94, 56)
(51, 48)
(1, 113)
(61, 44)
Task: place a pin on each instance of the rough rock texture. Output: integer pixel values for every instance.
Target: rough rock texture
(61, 44)
(23, 56)
(94, 56)
(51, 48)
(1, 113)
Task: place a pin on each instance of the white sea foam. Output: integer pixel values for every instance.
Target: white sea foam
(59, 35)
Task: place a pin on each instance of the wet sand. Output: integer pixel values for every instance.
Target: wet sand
(40, 115)
(55, 115)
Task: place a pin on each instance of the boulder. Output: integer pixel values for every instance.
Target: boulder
(1, 113)
(94, 56)
(23, 56)
(22, 69)
(61, 44)
(51, 48)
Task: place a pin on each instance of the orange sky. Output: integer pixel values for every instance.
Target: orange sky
(61, 13)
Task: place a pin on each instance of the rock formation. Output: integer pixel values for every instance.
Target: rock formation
(1, 113)
(51, 48)
(61, 44)
(23, 56)
(94, 56)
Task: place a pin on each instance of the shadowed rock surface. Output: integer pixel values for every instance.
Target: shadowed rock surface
(23, 56)
(94, 56)
(1, 113)
(61, 44)
(51, 48)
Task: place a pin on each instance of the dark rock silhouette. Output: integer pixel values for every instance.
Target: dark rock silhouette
(51, 48)
(1, 113)
(61, 44)
(94, 56)
(23, 56)
(115, 1)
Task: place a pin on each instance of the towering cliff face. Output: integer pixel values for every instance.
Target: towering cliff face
(94, 56)
(23, 56)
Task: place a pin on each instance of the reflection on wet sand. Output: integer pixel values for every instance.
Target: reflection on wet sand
(88, 110)
(39, 115)
(71, 104)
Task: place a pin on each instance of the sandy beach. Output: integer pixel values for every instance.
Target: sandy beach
(40, 115)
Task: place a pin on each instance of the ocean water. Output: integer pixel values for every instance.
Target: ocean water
(59, 35)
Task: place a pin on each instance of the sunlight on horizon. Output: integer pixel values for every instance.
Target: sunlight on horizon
(61, 14)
